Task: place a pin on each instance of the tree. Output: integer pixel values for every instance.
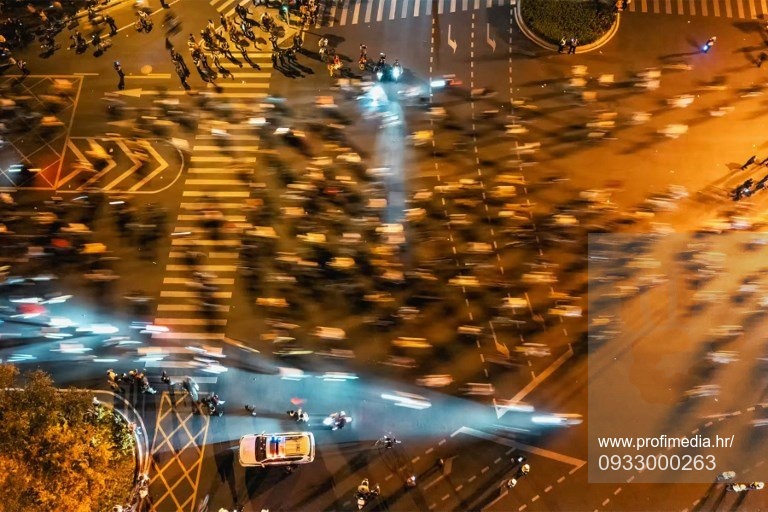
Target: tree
(58, 451)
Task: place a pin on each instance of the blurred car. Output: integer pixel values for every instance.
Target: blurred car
(557, 419)
(435, 381)
(566, 311)
(277, 449)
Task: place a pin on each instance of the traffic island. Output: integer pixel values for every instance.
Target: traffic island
(545, 22)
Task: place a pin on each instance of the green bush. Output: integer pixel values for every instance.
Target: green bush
(586, 20)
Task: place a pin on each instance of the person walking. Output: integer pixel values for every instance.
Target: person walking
(109, 20)
(217, 64)
(274, 60)
(561, 45)
(761, 58)
(749, 162)
(281, 58)
(572, 44)
(22, 65)
(120, 74)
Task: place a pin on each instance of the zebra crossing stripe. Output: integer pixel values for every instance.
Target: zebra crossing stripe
(692, 6)
(368, 10)
(728, 10)
(416, 9)
(453, 5)
(740, 8)
(704, 9)
(404, 12)
(764, 7)
(343, 20)
(752, 12)
(393, 8)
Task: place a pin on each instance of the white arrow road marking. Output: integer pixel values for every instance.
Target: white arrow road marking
(451, 42)
(543, 375)
(488, 39)
(572, 461)
(134, 167)
(163, 166)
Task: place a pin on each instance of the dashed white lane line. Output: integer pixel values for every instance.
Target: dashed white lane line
(605, 501)
(445, 497)
(534, 498)
(560, 480)
(617, 491)
(548, 488)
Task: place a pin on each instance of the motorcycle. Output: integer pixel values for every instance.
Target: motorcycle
(362, 62)
(299, 416)
(144, 23)
(213, 404)
(365, 494)
(397, 70)
(245, 28)
(709, 44)
(337, 420)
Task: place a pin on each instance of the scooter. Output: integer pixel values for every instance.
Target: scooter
(299, 416)
(337, 420)
(709, 44)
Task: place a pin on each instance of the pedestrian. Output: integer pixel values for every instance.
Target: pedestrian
(168, 44)
(297, 41)
(761, 58)
(625, 4)
(22, 65)
(749, 162)
(224, 71)
(109, 20)
(274, 60)
(561, 45)
(572, 44)
(120, 74)
(281, 57)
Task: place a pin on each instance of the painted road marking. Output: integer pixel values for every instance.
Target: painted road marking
(542, 452)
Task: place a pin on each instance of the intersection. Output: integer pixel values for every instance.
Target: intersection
(539, 360)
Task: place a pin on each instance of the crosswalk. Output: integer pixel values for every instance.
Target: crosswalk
(741, 9)
(353, 12)
(211, 183)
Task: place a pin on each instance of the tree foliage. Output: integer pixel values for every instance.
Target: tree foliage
(57, 450)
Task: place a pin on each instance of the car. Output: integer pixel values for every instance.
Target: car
(566, 311)
(277, 449)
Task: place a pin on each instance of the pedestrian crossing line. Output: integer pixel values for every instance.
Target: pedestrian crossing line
(207, 268)
(224, 158)
(250, 149)
(222, 183)
(404, 12)
(356, 13)
(741, 9)
(416, 8)
(231, 136)
(218, 193)
(380, 12)
(189, 321)
(228, 218)
(192, 308)
(221, 206)
(213, 280)
(223, 6)
(344, 11)
(173, 294)
(218, 171)
(453, 6)
(216, 243)
(368, 11)
(392, 9)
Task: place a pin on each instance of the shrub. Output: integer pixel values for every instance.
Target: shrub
(587, 20)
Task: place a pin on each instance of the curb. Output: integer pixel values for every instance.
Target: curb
(527, 32)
